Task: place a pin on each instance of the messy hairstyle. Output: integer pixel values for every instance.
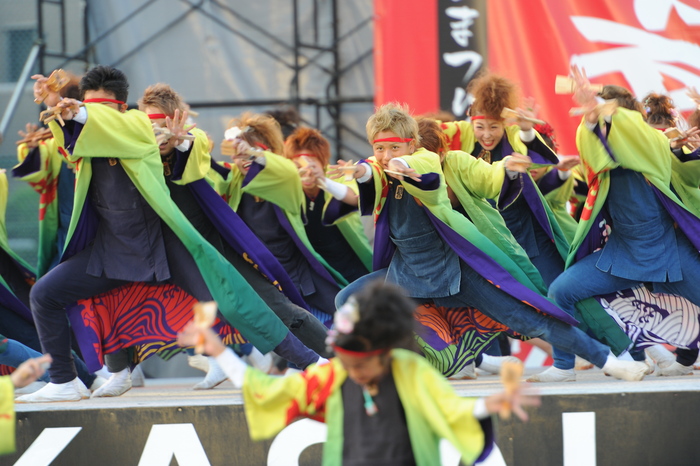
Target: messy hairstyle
(163, 97)
(492, 93)
(106, 78)
(432, 137)
(385, 319)
(260, 129)
(308, 140)
(624, 98)
(392, 117)
(660, 110)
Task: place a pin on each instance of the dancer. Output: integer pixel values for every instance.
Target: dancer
(408, 405)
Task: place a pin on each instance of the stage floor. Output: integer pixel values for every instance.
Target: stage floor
(173, 392)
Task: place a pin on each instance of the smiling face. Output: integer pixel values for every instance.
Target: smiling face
(384, 151)
(488, 132)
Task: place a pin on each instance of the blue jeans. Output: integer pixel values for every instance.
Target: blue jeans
(584, 280)
(16, 353)
(477, 292)
(357, 285)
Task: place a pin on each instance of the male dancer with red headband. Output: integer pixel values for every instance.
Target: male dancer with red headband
(125, 229)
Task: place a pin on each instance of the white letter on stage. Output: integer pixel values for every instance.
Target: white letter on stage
(579, 439)
(47, 446)
(178, 440)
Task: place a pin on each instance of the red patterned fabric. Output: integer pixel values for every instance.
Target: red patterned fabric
(146, 317)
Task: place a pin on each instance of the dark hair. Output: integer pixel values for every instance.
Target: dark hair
(660, 111)
(624, 98)
(288, 117)
(106, 78)
(386, 319)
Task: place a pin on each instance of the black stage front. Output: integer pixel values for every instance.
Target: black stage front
(596, 420)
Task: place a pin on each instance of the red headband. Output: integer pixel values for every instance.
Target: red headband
(393, 140)
(303, 155)
(157, 116)
(484, 117)
(359, 354)
(101, 101)
(262, 146)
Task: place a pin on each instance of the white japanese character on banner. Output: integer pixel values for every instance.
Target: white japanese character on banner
(646, 57)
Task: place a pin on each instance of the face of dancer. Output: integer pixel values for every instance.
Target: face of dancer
(488, 132)
(168, 146)
(386, 150)
(102, 94)
(365, 370)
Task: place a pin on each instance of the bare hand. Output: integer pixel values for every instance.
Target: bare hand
(176, 126)
(694, 96)
(405, 172)
(193, 335)
(69, 108)
(343, 168)
(584, 94)
(30, 135)
(42, 92)
(529, 112)
(518, 163)
(516, 402)
(567, 162)
(30, 370)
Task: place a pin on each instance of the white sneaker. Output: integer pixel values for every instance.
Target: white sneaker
(676, 369)
(466, 373)
(118, 384)
(626, 370)
(198, 361)
(138, 379)
(552, 374)
(69, 391)
(31, 388)
(492, 364)
(582, 365)
(214, 377)
(661, 356)
(262, 362)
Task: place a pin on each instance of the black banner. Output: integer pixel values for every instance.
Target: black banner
(462, 50)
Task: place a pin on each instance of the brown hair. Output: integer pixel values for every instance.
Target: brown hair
(308, 140)
(260, 129)
(432, 137)
(492, 93)
(162, 96)
(660, 110)
(624, 98)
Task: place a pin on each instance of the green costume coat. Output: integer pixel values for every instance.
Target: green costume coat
(128, 137)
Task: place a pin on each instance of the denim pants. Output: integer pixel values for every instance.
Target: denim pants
(584, 280)
(15, 353)
(477, 292)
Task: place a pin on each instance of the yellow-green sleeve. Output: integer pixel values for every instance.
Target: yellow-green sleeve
(7, 416)
(278, 182)
(199, 160)
(110, 133)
